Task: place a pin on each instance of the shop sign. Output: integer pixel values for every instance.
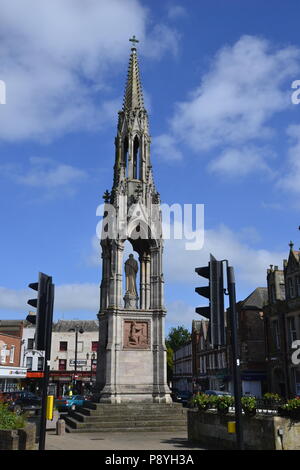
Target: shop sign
(80, 362)
(11, 372)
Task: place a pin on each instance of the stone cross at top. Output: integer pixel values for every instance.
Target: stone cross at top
(134, 41)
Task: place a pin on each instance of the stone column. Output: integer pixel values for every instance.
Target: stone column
(147, 281)
(104, 289)
(142, 260)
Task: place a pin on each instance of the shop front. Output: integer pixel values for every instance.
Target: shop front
(11, 378)
(64, 382)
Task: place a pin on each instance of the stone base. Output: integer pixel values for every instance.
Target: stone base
(132, 363)
(135, 394)
(131, 301)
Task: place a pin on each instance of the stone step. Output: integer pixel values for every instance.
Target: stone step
(182, 429)
(117, 413)
(121, 423)
(148, 406)
(96, 418)
(101, 417)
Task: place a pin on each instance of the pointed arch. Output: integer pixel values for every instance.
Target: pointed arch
(136, 153)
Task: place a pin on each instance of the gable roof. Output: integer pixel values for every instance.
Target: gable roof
(256, 300)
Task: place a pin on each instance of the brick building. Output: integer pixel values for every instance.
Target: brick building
(282, 320)
(11, 373)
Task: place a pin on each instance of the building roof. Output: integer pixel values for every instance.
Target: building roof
(256, 300)
(67, 325)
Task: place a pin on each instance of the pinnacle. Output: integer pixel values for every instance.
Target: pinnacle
(133, 97)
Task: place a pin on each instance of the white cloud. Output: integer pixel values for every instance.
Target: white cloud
(180, 313)
(238, 95)
(57, 59)
(250, 263)
(165, 146)
(176, 11)
(233, 162)
(47, 174)
(290, 181)
(230, 111)
(68, 298)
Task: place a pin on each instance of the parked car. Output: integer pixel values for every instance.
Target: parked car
(21, 402)
(216, 392)
(69, 403)
(183, 397)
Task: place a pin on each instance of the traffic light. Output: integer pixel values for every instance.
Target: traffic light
(215, 293)
(42, 318)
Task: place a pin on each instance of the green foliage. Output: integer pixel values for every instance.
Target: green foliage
(248, 403)
(9, 420)
(177, 337)
(202, 401)
(223, 402)
(292, 405)
(272, 397)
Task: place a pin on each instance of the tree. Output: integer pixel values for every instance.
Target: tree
(176, 338)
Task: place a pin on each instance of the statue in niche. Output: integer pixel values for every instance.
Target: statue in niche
(131, 269)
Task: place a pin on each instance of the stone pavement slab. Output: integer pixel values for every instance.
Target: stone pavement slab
(120, 441)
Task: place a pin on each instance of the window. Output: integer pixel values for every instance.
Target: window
(3, 354)
(291, 288)
(79, 346)
(29, 363)
(12, 354)
(62, 365)
(276, 335)
(30, 343)
(40, 363)
(94, 346)
(63, 346)
(292, 329)
(282, 291)
(298, 286)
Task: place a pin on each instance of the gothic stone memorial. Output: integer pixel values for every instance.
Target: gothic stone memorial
(132, 354)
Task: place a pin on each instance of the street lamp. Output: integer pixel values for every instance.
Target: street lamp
(77, 329)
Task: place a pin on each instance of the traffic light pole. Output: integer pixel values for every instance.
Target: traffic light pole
(43, 422)
(235, 358)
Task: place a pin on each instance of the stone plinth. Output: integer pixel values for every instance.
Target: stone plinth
(132, 357)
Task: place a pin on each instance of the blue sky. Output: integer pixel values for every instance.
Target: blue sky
(217, 81)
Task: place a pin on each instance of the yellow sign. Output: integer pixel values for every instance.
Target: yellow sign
(231, 427)
(49, 410)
